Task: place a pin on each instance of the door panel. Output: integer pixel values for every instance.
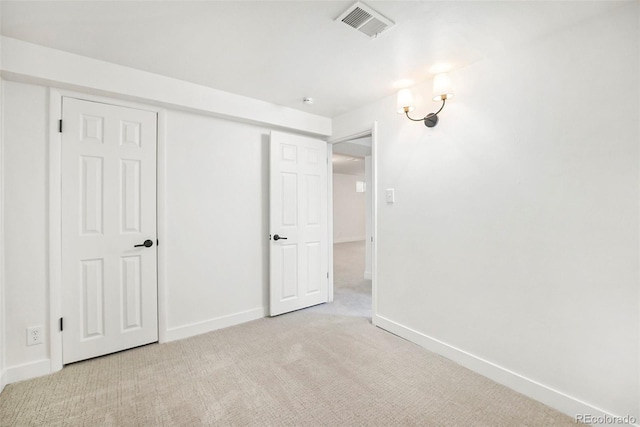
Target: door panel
(108, 206)
(92, 291)
(298, 211)
(91, 194)
(131, 291)
(130, 208)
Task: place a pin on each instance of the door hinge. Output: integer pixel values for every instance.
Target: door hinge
(61, 325)
(327, 274)
(157, 242)
(60, 126)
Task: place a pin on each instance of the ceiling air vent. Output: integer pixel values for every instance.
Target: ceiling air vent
(366, 20)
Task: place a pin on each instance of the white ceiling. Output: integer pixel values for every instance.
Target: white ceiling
(283, 51)
(348, 165)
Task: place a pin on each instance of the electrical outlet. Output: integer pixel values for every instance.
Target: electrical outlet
(34, 335)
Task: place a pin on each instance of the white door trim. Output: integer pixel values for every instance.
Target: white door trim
(330, 220)
(373, 132)
(161, 224)
(55, 217)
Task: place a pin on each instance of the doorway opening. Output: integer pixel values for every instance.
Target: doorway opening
(353, 226)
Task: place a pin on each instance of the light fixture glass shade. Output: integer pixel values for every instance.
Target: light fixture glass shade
(442, 88)
(405, 101)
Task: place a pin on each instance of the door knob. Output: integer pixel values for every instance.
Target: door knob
(147, 244)
(276, 237)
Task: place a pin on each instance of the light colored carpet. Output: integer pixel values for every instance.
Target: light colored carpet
(307, 368)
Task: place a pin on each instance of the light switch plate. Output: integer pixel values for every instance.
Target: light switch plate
(391, 195)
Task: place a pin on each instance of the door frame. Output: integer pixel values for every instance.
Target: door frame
(373, 132)
(54, 202)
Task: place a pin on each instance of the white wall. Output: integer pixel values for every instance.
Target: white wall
(42, 65)
(216, 221)
(513, 245)
(348, 209)
(25, 219)
(217, 215)
(215, 194)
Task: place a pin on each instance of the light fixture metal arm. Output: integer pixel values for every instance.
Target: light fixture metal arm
(406, 111)
(431, 119)
(441, 107)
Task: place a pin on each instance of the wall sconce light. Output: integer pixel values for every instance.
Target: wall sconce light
(442, 89)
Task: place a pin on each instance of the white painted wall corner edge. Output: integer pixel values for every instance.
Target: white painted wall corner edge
(564, 403)
(3, 378)
(210, 325)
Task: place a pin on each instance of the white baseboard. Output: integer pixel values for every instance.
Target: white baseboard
(27, 371)
(540, 392)
(198, 328)
(3, 380)
(367, 275)
(349, 239)
(43, 367)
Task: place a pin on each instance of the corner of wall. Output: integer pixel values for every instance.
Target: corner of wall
(3, 380)
(210, 325)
